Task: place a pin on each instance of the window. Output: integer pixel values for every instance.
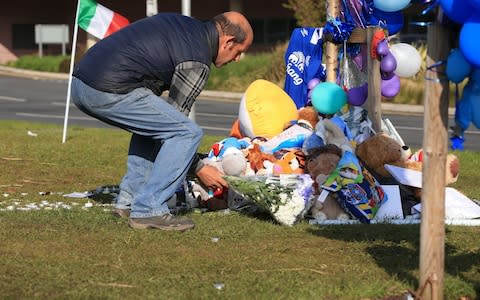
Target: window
(271, 31)
(23, 36)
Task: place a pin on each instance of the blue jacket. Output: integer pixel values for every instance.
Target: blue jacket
(148, 53)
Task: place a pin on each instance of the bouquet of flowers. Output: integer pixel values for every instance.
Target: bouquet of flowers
(286, 197)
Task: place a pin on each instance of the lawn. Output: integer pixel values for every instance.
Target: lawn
(77, 252)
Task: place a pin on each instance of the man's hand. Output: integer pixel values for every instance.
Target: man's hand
(211, 177)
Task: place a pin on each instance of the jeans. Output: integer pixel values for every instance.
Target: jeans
(163, 144)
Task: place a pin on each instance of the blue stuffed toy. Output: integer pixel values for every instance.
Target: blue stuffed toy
(219, 148)
(467, 110)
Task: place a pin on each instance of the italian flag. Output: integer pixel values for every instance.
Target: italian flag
(98, 20)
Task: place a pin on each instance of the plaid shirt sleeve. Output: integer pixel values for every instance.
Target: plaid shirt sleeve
(188, 81)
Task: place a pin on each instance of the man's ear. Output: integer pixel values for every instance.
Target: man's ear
(229, 41)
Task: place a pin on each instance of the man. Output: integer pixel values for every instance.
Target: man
(120, 80)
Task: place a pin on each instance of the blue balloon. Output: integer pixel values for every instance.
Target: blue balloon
(475, 4)
(328, 98)
(457, 10)
(390, 5)
(393, 21)
(468, 107)
(470, 40)
(458, 67)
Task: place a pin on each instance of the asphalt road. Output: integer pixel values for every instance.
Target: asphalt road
(43, 100)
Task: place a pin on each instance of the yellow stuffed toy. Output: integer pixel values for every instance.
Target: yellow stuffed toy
(265, 109)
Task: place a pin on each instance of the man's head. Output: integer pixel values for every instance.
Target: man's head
(235, 37)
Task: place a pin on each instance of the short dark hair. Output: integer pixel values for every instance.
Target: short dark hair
(229, 28)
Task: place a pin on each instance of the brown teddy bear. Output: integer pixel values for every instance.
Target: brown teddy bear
(308, 115)
(320, 163)
(381, 149)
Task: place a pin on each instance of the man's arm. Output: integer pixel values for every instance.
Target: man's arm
(187, 82)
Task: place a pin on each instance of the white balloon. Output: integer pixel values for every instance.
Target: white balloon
(408, 59)
(390, 5)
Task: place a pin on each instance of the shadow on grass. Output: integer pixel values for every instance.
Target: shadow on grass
(396, 249)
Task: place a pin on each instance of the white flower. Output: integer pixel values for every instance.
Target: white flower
(286, 197)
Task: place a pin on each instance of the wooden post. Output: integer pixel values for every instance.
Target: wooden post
(331, 53)
(374, 100)
(435, 146)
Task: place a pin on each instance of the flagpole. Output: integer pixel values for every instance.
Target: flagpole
(72, 60)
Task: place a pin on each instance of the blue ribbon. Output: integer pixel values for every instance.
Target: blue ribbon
(432, 69)
(338, 31)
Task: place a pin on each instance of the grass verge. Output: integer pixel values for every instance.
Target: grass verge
(83, 252)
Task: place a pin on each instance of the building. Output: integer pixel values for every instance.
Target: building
(271, 21)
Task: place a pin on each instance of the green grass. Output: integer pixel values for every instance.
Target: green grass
(88, 254)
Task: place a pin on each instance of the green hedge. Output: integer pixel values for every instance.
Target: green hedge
(46, 63)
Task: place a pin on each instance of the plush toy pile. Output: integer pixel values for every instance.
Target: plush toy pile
(345, 170)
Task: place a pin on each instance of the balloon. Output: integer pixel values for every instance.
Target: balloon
(475, 4)
(388, 63)
(390, 5)
(328, 98)
(457, 67)
(361, 59)
(468, 108)
(312, 83)
(392, 20)
(408, 59)
(309, 96)
(457, 10)
(470, 40)
(264, 110)
(391, 87)
(382, 48)
(386, 75)
(357, 95)
(378, 36)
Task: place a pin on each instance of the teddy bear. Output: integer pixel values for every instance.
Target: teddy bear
(232, 163)
(320, 163)
(381, 149)
(326, 132)
(259, 162)
(309, 116)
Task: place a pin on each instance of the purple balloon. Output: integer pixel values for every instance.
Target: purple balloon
(358, 95)
(391, 87)
(388, 63)
(313, 83)
(309, 94)
(382, 48)
(386, 75)
(361, 59)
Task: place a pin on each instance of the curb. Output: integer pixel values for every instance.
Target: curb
(9, 71)
(218, 95)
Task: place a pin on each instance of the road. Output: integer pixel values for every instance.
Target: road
(43, 100)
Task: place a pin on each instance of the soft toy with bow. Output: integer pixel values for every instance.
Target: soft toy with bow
(218, 149)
